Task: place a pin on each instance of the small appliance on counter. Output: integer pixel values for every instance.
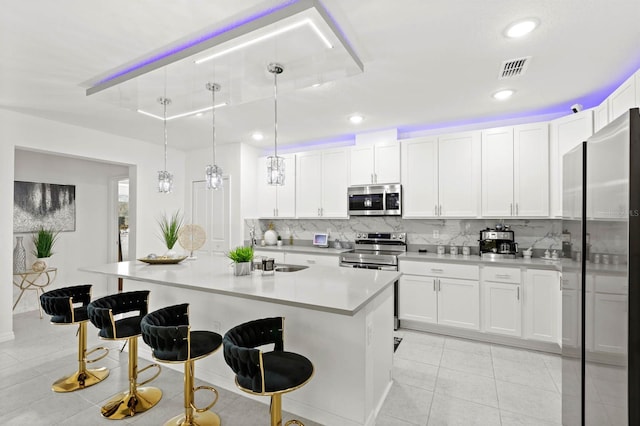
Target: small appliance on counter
(498, 243)
(321, 239)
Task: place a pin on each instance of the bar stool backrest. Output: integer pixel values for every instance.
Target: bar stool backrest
(240, 345)
(59, 303)
(166, 331)
(101, 311)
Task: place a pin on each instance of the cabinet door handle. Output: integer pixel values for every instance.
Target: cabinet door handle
(440, 210)
(511, 209)
(436, 270)
(517, 209)
(439, 286)
(518, 292)
(372, 181)
(435, 209)
(375, 178)
(321, 211)
(503, 276)
(434, 285)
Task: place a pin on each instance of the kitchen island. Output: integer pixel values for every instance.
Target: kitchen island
(340, 318)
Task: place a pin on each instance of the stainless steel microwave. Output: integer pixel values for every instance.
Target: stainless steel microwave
(375, 200)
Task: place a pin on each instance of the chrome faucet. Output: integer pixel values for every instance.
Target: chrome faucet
(252, 235)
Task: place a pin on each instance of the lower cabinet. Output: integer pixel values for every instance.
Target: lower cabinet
(502, 308)
(542, 305)
(439, 299)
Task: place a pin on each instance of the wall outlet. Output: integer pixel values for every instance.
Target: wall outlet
(436, 233)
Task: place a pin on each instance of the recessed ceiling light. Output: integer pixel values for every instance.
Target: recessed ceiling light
(257, 136)
(503, 94)
(521, 28)
(356, 119)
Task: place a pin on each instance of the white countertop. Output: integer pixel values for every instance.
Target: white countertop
(338, 290)
(537, 263)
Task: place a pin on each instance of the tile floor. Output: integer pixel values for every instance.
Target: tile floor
(437, 381)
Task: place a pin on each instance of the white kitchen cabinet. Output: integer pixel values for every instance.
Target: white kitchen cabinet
(278, 201)
(419, 158)
(565, 133)
(623, 98)
(531, 170)
(429, 294)
(459, 175)
(571, 309)
(376, 163)
(610, 323)
(441, 176)
(321, 184)
(515, 171)
(501, 300)
(459, 303)
(308, 259)
(497, 172)
(502, 308)
(601, 115)
(418, 299)
(542, 301)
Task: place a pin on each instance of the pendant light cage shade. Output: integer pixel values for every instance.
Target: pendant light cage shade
(213, 172)
(275, 170)
(165, 181)
(213, 177)
(165, 178)
(275, 164)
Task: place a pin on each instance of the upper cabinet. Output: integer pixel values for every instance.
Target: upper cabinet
(376, 163)
(623, 98)
(277, 201)
(321, 183)
(515, 171)
(566, 133)
(441, 176)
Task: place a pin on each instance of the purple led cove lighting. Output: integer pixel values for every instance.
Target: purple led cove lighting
(191, 43)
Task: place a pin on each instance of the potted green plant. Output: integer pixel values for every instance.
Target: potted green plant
(241, 257)
(169, 229)
(43, 241)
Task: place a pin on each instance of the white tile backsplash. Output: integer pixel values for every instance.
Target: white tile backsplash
(536, 233)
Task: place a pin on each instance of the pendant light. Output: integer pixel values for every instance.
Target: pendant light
(165, 178)
(275, 164)
(213, 173)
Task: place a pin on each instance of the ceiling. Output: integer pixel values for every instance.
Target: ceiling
(427, 64)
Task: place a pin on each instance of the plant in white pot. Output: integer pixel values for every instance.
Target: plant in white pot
(241, 257)
(169, 229)
(43, 241)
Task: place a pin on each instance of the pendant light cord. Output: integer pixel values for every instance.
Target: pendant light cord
(213, 122)
(164, 103)
(275, 109)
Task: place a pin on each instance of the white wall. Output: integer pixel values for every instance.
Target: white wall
(144, 160)
(89, 243)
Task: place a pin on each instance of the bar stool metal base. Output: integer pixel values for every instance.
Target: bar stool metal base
(206, 418)
(127, 404)
(80, 380)
(83, 377)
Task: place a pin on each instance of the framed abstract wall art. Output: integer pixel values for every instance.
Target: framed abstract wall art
(47, 205)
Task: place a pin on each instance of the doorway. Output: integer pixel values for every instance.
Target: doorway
(210, 209)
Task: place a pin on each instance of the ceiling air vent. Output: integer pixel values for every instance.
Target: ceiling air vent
(514, 67)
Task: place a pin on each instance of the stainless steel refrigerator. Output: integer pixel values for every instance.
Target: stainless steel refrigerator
(601, 279)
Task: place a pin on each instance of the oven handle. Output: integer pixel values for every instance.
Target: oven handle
(364, 266)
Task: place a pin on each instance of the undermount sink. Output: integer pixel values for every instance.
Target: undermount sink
(290, 268)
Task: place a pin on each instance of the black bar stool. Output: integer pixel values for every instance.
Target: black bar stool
(168, 333)
(68, 305)
(102, 314)
(265, 373)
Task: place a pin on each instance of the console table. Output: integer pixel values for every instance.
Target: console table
(33, 280)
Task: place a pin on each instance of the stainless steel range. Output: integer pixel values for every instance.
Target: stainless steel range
(378, 250)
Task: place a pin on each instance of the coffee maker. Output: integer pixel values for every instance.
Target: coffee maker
(498, 243)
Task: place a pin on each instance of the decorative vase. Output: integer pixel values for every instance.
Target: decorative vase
(40, 264)
(19, 257)
(242, 268)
